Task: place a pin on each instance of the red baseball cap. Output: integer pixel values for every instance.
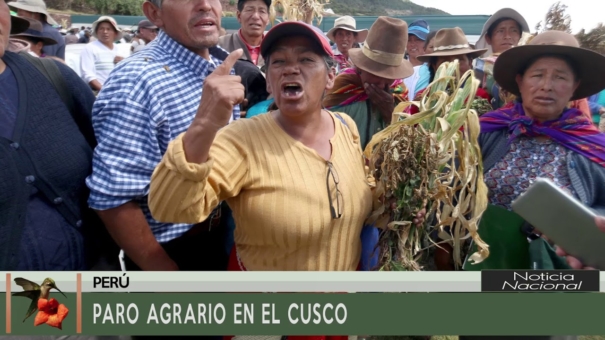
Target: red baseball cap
(293, 28)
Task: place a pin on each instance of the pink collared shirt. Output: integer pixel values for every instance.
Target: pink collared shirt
(254, 50)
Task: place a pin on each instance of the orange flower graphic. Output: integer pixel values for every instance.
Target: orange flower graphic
(50, 312)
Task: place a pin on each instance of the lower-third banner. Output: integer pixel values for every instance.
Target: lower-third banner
(308, 314)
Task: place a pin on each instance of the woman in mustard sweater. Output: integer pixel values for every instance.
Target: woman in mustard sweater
(294, 178)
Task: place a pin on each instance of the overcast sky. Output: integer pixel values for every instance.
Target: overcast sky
(584, 13)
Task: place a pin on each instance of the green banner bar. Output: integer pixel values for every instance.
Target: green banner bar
(367, 313)
(2, 313)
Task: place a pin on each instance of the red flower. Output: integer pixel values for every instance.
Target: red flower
(51, 313)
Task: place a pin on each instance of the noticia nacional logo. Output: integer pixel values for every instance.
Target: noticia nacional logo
(50, 311)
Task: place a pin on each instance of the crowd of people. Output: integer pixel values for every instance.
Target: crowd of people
(210, 151)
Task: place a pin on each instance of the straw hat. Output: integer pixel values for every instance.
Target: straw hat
(347, 23)
(451, 41)
(501, 14)
(34, 6)
(18, 25)
(590, 65)
(110, 20)
(383, 51)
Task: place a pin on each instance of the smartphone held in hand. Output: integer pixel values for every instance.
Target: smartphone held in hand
(564, 220)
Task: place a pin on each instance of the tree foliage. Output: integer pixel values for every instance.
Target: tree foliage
(342, 7)
(119, 7)
(556, 19)
(380, 7)
(593, 40)
(114, 7)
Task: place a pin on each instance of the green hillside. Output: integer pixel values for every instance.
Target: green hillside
(340, 7)
(380, 7)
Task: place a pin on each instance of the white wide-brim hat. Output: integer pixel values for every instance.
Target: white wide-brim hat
(347, 23)
(34, 6)
(110, 20)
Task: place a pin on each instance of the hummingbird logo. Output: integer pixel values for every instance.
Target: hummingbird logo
(50, 311)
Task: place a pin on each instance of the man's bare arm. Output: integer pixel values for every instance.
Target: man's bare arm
(129, 228)
(95, 85)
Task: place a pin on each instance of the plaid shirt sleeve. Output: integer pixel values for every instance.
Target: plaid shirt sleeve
(138, 112)
(127, 152)
(130, 145)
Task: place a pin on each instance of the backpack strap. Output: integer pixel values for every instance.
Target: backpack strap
(49, 69)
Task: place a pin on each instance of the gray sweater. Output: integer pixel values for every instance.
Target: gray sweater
(587, 177)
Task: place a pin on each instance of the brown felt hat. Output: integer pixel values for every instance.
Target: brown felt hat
(35, 31)
(383, 52)
(590, 65)
(18, 25)
(451, 41)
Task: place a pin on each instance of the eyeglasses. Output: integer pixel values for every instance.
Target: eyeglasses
(335, 209)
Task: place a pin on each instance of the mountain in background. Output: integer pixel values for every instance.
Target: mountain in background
(380, 7)
(339, 7)
(363, 7)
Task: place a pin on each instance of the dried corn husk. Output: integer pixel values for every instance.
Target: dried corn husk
(298, 10)
(428, 161)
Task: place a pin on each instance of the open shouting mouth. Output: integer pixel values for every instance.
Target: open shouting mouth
(292, 90)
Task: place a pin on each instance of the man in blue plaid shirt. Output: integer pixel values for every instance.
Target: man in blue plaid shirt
(148, 100)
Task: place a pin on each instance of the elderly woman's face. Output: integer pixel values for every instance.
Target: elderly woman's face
(297, 76)
(546, 88)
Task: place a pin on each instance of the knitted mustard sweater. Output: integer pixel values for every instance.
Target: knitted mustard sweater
(278, 191)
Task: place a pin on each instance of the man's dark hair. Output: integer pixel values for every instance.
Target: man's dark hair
(241, 3)
(429, 37)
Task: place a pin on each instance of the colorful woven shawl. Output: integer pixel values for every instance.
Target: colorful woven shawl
(349, 90)
(484, 70)
(572, 130)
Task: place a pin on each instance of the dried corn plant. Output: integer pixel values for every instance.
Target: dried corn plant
(430, 160)
(298, 10)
